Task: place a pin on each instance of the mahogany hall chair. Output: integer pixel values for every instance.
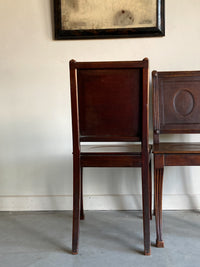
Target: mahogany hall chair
(109, 103)
(176, 110)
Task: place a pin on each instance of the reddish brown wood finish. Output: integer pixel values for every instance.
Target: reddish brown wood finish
(176, 109)
(150, 186)
(82, 216)
(110, 103)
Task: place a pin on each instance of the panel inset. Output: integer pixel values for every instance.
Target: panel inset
(110, 102)
(183, 102)
(179, 101)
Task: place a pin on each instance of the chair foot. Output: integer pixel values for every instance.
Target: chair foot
(147, 253)
(159, 244)
(75, 252)
(82, 217)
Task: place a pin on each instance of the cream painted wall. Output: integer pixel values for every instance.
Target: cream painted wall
(35, 116)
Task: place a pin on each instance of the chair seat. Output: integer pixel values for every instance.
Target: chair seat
(175, 148)
(112, 149)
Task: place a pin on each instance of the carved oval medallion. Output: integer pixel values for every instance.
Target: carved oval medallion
(183, 102)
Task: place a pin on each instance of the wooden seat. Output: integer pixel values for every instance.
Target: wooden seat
(129, 156)
(110, 104)
(176, 109)
(177, 148)
(110, 149)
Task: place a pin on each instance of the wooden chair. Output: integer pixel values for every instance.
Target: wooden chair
(110, 104)
(176, 109)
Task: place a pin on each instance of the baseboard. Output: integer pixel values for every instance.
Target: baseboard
(94, 202)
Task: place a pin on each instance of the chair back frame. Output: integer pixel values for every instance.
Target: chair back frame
(139, 69)
(176, 102)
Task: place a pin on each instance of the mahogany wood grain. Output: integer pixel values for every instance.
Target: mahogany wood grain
(158, 205)
(82, 215)
(176, 109)
(178, 147)
(112, 149)
(182, 159)
(110, 102)
(150, 188)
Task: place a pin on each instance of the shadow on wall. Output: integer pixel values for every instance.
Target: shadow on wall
(52, 17)
(47, 8)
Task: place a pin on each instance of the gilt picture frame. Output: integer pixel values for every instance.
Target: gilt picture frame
(97, 19)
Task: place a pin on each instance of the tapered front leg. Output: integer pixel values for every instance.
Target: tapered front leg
(146, 207)
(76, 204)
(158, 180)
(82, 216)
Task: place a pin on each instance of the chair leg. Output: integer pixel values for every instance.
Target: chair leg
(82, 216)
(150, 192)
(76, 204)
(154, 199)
(146, 212)
(158, 205)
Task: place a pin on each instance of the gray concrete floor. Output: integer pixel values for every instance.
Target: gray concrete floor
(107, 238)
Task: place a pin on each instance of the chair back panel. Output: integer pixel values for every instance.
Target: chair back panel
(110, 102)
(176, 102)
